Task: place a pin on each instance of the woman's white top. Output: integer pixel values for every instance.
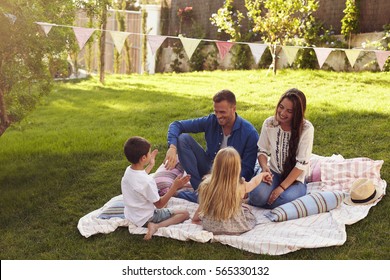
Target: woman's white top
(274, 143)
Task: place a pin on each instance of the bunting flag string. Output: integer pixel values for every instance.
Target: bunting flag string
(46, 27)
(381, 57)
(119, 38)
(352, 55)
(223, 48)
(322, 54)
(291, 53)
(190, 44)
(11, 17)
(155, 41)
(257, 51)
(82, 35)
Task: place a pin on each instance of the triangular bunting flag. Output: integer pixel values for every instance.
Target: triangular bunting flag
(291, 53)
(10, 17)
(119, 39)
(155, 41)
(82, 35)
(352, 55)
(381, 57)
(189, 45)
(223, 48)
(46, 27)
(322, 55)
(257, 51)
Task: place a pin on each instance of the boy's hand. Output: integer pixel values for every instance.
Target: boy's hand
(180, 181)
(153, 157)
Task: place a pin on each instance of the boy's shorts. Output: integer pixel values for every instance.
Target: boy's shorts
(160, 215)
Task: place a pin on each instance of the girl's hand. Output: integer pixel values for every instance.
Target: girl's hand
(274, 195)
(267, 178)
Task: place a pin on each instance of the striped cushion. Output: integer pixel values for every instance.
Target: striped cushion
(307, 205)
(111, 210)
(164, 178)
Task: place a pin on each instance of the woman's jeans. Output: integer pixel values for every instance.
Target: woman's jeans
(259, 196)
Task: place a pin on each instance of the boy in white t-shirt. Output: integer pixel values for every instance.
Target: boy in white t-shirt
(143, 205)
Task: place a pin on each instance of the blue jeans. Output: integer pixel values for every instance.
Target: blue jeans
(195, 162)
(259, 196)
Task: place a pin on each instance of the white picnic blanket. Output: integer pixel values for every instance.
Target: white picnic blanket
(273, 238)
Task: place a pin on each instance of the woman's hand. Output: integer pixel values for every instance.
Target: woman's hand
(274, 195)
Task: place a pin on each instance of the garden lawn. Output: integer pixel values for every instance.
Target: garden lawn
(65, 159)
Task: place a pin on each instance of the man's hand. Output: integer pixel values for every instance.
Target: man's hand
(171, 158)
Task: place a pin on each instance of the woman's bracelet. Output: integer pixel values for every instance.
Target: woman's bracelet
(282, 187)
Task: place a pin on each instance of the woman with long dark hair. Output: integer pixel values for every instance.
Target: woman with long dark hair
(284, 149)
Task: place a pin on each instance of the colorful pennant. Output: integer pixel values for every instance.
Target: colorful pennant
(257, 51)
(291, 53)
(12, 18)
(119, 39)
(155, 41)
(46, 27)
(223, 48)
(322, 54)
(352, 55)
(189, 45)
(381, 57)
(82, 35)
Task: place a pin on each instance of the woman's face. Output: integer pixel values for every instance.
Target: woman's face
(285, 112)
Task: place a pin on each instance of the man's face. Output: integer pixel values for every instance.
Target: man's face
(225, 113)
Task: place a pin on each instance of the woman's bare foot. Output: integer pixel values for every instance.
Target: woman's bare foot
(152, 228)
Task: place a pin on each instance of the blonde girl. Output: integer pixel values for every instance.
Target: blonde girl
(221, 194)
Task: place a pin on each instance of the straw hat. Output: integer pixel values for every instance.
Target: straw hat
(363, 191)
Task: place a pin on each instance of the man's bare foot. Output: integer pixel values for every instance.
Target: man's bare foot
(152, 228)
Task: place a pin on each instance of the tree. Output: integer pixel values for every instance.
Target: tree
(276, 21)
(350, 21)
(281, 21)
(26, 54)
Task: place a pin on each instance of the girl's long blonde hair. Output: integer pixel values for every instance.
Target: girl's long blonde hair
(219, 193)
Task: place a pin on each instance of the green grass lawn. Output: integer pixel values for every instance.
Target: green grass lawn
(65, 159)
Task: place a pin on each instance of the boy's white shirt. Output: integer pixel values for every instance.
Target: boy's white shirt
(140, 192)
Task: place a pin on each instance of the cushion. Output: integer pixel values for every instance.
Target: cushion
(164, 177)
(314, 174)
(112, 210)
(338, 175)
(307, 205)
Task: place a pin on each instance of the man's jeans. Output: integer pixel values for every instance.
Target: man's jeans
(195, 162)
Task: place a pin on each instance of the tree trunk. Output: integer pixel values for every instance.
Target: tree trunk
(274, 58)
(103, 44)
(4, 121)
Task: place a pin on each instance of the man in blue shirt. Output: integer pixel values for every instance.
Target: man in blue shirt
(221, 129)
